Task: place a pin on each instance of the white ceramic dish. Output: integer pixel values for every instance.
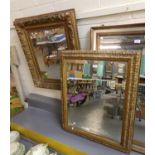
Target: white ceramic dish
(17, 148)
(40, 149)
(14, 136)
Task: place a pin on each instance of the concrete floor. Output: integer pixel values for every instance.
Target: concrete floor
(48, 123)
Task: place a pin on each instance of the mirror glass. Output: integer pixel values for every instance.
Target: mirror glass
(125, 42)
(128, 37)
(43, 38)
(47, 45)
(95, 96)
(130, 42)
(139, 131)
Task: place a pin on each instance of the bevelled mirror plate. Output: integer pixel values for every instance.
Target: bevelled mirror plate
(43, 37)
(127, 37)
(99, 92)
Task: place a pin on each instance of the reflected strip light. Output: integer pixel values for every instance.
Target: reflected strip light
(110, 47)
(137, 41)
(94, 65)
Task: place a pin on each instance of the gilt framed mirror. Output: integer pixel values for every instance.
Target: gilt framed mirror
(99, 104)
(43, 37)
(127, 37)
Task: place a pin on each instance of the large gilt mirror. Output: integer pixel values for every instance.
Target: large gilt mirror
(99, 95)
(127, 37)
(43, 37)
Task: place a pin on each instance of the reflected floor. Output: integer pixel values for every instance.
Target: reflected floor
(93, 117)
(139, 130)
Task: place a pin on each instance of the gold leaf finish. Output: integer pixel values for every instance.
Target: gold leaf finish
(65, 19)
(133, 63)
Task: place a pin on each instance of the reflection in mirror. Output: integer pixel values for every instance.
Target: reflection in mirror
(139, 131)
(95, 96)
(47, 46)
(43, 37)
(99, 92)
(126, 42)
(126, 37)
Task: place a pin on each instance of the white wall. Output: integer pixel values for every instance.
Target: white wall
(88, 12)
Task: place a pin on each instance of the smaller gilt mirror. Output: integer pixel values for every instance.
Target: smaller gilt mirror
(99, 95)
(43, 37)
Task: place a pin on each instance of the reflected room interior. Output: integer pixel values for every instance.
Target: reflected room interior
(130, 42)
(47, 46)
(95, 96)
(125, 42)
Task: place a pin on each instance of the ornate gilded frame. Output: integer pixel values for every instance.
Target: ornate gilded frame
(65, 19)
(129, 29)
(133, 63)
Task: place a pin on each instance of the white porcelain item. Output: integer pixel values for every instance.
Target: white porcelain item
(17, 148)
(40, 149)
(14, 136)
